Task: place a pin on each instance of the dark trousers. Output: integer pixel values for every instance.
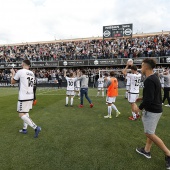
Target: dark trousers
(166, 95)
(84, 91)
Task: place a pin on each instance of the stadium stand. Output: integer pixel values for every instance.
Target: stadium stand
(111, 54)
(143, 45)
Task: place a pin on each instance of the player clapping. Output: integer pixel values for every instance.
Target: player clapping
(100, 82)
(135, 79)
(70, 87)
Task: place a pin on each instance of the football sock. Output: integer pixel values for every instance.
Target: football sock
(114, 107)
(27, 120)
(66, 100)
(103, 93)
(109, 110)
(71, 101)
(78, 94)
(134, 115)
(98, 93)
(25, 125)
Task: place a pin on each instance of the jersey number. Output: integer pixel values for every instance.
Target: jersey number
(30, 81)
(137, 82)
(70, 83)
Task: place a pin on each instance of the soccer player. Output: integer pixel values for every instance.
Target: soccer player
(135, 79)
(127, 85)
(106, 77)
(151, 108)
(77, 88)
(25, 77)
(84, 89)
(112, 92)
(70, 87)
(100, 85)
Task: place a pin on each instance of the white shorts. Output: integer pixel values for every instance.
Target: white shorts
(24, 106)
(127, 87)
(111, 99)
(100, 88)
(70, 92)
(132, 97)
(77, 89)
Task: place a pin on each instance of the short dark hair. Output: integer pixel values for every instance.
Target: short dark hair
(84, 71)
(106, 74)
(134, 68)
(150, 62)
(71, 74)
(112, 73)
(27, 62)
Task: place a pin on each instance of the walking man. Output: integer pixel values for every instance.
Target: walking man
(151, 108)
(25, 77)
(84, 80)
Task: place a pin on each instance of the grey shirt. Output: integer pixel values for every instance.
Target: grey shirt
(107, 83)
(84, 79)
(166, 80)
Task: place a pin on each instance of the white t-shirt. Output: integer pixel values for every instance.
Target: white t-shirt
(100, 82)
(77, 84)
(128, 80)
(26, 83)
(162, 81)
(135, 80)
(70, 83)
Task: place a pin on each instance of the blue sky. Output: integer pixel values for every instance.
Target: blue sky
(46, 20)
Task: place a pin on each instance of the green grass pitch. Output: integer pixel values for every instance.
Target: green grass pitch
(75, 138)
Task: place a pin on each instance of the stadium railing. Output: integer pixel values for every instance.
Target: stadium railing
(83, 63)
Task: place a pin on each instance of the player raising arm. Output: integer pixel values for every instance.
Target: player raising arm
(25, 77)
(70, 87)
(135, 79)
(100, 85)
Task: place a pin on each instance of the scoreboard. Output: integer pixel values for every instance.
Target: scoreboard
(113, 31)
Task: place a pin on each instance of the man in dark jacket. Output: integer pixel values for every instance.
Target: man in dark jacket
(152, 110)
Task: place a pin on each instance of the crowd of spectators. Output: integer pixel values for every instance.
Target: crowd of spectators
(57, 74)
(149, 46)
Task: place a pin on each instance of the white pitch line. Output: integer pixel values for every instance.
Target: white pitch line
(43, 94)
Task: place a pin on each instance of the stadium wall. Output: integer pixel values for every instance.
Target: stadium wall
(117, 62)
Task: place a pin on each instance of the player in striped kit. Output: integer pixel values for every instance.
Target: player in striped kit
(127, 85)
(77, 88)
(135, 79)
(25, 77)
(100, 85)
(70, 88)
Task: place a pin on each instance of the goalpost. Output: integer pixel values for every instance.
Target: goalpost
(118, 73)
